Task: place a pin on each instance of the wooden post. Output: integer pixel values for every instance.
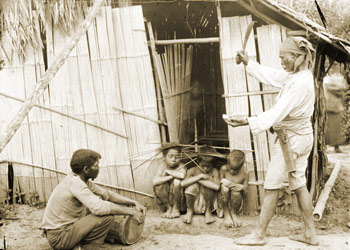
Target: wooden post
(40, 86)
(315, 157)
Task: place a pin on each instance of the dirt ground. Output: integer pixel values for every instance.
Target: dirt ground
(21, 231)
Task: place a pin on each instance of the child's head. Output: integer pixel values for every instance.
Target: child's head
(235, 161)
(171, 152)
(206, 158)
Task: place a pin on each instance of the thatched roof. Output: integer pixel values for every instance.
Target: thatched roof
(304, 22)
(23, 21)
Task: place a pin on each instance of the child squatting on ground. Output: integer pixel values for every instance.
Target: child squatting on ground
(166, 182)
(233, 187)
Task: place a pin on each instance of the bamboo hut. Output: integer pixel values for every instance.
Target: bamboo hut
(142, 75)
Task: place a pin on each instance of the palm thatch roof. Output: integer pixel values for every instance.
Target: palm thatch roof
(22, 22)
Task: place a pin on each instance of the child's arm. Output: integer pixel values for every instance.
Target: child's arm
(214, 183)
(224, 181)
(192, 176)
(157, 180)
(245, 185)
(178, 173)
(161, 177)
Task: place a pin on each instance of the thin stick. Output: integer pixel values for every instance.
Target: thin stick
(63, 173)
(151, 158)
(140, 116)
(66, 115)
(195, 162)
(188, 41)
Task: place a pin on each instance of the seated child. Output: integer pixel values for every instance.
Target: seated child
(201, 184)
(234, 184)
(166, 182)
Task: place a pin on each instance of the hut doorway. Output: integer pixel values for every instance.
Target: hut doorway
(192, 92)
(207, 102)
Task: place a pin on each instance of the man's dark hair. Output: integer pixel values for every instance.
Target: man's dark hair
(82, 158)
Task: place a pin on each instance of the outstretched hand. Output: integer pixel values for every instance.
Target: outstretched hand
(242, 56)
(235, 120)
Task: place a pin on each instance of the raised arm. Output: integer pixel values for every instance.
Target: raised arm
(266, 75)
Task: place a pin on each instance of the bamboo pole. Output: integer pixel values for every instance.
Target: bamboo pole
(158, 91)
(141, 116)
(187, 41)
(40, 86)
(67, 115)
(252, 93)
(42, 168)
(322, 200)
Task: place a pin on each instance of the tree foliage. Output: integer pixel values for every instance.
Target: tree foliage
(336, 13)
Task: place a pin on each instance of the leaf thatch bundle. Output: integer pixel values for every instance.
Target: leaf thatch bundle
(23, 21)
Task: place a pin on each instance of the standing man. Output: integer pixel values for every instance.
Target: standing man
(292, 112)
(79, 211)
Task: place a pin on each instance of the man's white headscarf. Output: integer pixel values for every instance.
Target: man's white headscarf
(301, 47)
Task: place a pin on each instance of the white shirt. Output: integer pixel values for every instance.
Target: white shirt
(294, 104)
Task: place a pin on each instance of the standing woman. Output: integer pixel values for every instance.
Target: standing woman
(335, 85)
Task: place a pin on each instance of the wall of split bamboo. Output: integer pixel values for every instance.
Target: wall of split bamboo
(108, 71)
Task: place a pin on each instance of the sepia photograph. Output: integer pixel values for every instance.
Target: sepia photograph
(174, 124)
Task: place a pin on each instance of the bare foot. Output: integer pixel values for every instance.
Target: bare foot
(251, 240)
(236, 221)
(188, 217)
(313, 241)
(175, 213)
(167, 213)
(228, 221)
(209, 218)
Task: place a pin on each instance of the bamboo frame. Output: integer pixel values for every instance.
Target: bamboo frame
(42, 168)
(187, 41)
(64, 114)
(252, 93)
(140, 116)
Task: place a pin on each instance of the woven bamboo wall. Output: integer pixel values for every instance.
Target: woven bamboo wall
(238, 85)
(107, 73)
